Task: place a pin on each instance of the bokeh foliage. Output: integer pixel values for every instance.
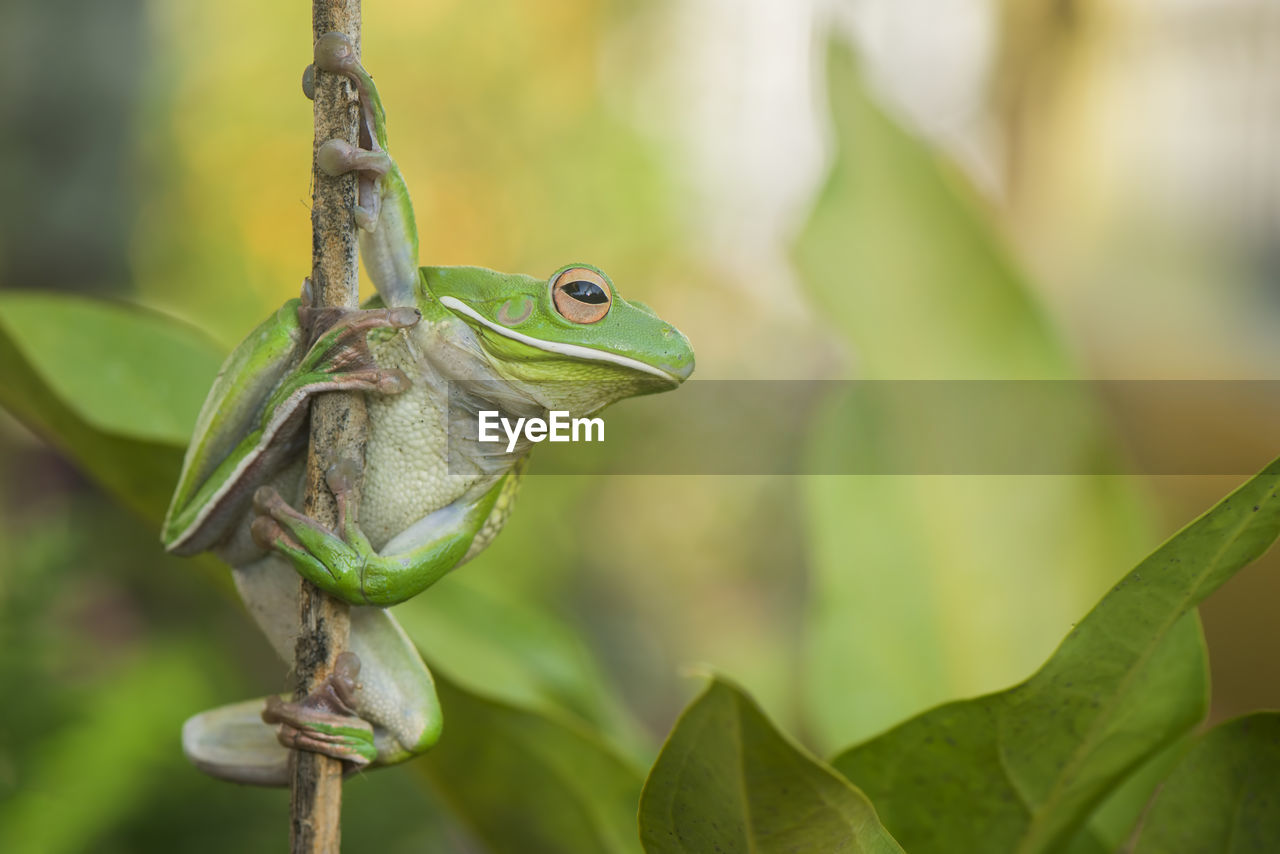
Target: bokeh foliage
(897, 241)
(843, 605)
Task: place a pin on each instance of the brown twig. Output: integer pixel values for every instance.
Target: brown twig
(338, 429)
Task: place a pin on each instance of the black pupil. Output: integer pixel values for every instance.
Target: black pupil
(588, 292)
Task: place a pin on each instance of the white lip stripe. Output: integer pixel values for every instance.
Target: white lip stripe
(575, 350)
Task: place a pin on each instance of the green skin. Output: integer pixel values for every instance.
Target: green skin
(430, 495)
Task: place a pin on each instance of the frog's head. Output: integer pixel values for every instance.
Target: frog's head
(571, 331)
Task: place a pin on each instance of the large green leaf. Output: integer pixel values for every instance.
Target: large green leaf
(901, 256)
(527, 783)
(141, 473)
(929, 588)
(1022, 770)
(1224, 796)
(1113, 822)
(513, 649)
(726, 780)
(115, 389)
(123, 370)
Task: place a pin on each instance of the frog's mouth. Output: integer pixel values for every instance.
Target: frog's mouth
(572, 351)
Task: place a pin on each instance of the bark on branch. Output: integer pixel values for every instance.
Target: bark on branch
(338, 430)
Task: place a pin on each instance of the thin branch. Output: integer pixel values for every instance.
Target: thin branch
(338, 429)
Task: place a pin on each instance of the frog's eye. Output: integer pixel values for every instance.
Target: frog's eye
(581, 295)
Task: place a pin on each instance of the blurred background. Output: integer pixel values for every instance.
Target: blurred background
(874, 189)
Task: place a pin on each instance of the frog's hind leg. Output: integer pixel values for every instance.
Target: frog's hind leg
(394, 691)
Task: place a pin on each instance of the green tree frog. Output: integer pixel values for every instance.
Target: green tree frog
(432, 495)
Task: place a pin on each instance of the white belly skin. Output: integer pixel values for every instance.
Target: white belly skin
(406, 459)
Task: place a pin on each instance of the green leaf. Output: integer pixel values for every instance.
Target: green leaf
(122, 370)
(969, 580)
(141, 473)
(1022, 770)
(1113, 822)
(527, 783)
(1224, 796)
(113, 388)
(516, 650)
(899, 242)
(727, 781)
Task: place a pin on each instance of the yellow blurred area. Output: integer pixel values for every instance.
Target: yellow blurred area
(496, 120)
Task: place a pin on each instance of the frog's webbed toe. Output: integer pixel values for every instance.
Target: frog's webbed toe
(322, 556)
(245, 743)
(234, 743)
(338, 357)
(325, 721)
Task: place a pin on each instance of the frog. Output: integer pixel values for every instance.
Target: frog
(434, 348)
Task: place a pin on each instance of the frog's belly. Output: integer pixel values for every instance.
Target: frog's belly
(406, 463)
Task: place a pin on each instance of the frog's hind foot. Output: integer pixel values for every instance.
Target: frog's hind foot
(239, 743)
(245, 743)
(325, 721)
(234, 743)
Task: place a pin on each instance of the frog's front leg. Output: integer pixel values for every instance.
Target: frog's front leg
(252, 421)
(347, 566)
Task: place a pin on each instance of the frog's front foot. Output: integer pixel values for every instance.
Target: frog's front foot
(334, 562)
(325, 721)
(339, 357)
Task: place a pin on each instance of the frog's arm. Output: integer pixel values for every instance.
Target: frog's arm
(388, 232)
(221, 442)
(348, 566)
(251, 422)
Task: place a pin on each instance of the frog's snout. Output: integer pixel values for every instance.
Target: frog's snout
(682, 371)
(679, 359)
